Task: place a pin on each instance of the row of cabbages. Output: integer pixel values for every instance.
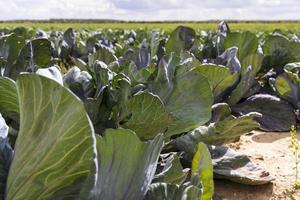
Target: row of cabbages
(126, 114)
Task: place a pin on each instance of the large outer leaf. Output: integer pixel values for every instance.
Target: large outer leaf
(190, 102)
(223, 30)
(143, 58)
(229, 59)
(181, 39)
(36, 53)
(55, 150)
(79, 82)
(148, 116)
(104, 54)
(185, 92)
(246, 41)
(237, 167)
(8, 96)
(41, 51)
(172, 172)
(220, 111)
(140, 76)
(99, 110)
(230, 128)
(219, 77)
(279, 51)
(127, 165)
(277, 114)
(253, 60)
(164, 81)
(154, 43)
(288, 89)
(288, 84)
(202, 168)
(69, 37)
(52, 73)
(199, 187)
(10, 47)
(68, 44)
(218, 133)
(250, 66)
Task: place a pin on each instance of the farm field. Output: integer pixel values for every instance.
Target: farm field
(90, 25)
(149, 111)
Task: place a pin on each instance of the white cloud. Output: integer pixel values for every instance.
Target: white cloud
(150, 9)
(269, 2)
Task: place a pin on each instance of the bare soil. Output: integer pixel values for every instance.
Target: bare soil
(271, 151)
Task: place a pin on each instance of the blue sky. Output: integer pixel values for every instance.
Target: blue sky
(151, 9)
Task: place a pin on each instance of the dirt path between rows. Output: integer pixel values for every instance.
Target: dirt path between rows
(269, 150)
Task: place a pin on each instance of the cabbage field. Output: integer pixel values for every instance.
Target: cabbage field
(139, 114)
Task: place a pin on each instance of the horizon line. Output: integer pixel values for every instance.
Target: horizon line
(68, 20)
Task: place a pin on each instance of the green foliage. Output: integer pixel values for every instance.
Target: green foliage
(8, 96)
(220, 79)
(277, 114)
(122, 114)
(172, 172)
(148, 116)
(202, 169)
(190, 102)
(200, 185)
(54, 154)
(126, 165)
(180, 40)
(246, 42)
